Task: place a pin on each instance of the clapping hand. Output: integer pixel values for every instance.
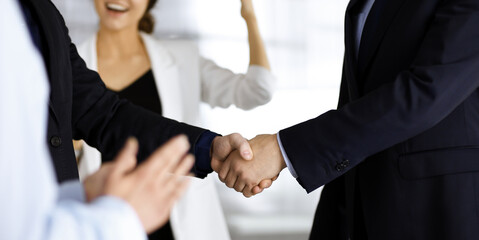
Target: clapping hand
(151, 188)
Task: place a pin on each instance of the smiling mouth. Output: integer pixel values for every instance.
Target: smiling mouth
(116, 7)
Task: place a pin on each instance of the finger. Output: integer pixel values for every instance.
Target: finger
(180, 186)
(171, 154)
(265, 183)
(169, 183)
(185, 166)
(126, 159)
(231, 180)
(167, 156)
(224, 170)
(239, 186)
(239, 142)
(216, 165)
(257, 190)
(179, 173)
(247, 192)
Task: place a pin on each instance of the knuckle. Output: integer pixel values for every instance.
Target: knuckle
(248, 179)
(236, 137)
(250, 185)
(222, 177)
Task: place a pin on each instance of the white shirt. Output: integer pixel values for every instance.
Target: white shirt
(361, 20)
(32, 206)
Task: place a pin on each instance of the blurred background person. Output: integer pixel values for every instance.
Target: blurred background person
(171, 78)
(118, 202)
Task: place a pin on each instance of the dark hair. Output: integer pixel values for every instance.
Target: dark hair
(147, 22)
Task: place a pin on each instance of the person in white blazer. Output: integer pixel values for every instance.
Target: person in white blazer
(122, 51)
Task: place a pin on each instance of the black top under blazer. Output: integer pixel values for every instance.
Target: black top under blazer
(82, 108)
(400, 155)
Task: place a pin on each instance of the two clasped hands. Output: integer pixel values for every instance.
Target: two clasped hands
(247, 166)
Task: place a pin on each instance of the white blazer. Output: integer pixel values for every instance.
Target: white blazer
(183, 79)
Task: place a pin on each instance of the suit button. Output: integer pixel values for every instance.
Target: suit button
(342, 165)
(55, 141)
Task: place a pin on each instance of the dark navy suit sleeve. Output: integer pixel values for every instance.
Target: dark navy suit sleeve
(202, 153)
(105, 122)
(444, 72)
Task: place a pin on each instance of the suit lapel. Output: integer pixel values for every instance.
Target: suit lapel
(352, 4)
(45, 24)
(374, 31)
(166, 73)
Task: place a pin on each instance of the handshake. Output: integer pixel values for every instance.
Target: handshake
(152, 187)
(247, 166)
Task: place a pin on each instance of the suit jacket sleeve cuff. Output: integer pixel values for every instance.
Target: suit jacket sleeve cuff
(202, 154)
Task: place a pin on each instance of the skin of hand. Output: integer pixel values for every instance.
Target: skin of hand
(223, 146)
(151, 188)
(247, 10)
(251, 177)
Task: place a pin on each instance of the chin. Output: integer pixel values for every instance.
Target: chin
(113, 26)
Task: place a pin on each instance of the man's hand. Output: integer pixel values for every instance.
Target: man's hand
(251, 176)
(223, 146)
(153, 187)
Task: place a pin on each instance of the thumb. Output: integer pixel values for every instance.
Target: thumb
(126, 159)
(245, 150)
(239, 142)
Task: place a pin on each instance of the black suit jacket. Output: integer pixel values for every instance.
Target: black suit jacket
(82, 108)
(406, 131)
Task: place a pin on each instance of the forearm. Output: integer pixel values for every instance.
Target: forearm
(150, 129)
(256, 46)
(423, 100)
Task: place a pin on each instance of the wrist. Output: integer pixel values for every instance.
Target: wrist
(278, 151)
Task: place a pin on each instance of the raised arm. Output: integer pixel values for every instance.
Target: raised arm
(257, 51)
(221, 87)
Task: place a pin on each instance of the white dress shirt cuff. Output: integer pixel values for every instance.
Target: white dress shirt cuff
(121, 216)
(71, 190)
(286, 159)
